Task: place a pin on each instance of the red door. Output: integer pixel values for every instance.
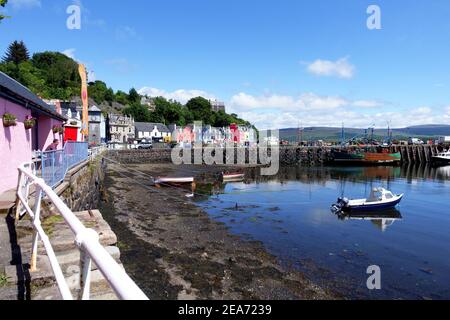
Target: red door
(70, 134)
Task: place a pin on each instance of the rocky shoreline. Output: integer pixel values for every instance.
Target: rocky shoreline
(173, 250)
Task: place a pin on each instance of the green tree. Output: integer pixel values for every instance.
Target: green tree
(109, 95)
(122, 98)
(139, 112)
(134, 96)
(17, 53)
(99, 91)
(200, 109)
(3, 4)
(60, 74)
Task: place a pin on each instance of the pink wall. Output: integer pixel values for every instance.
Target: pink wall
(45, 132)
(16, 142)
(15, 145)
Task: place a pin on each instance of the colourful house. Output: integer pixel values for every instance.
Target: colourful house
(18, 140)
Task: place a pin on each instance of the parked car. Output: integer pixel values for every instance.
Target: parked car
(145, 145)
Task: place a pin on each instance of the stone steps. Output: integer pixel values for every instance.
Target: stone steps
(68, 260)
(100, 289)
(42, 282)
(61, 236)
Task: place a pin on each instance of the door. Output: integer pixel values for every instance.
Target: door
(70, 134)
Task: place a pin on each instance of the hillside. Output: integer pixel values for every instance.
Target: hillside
(53, 75)
(334, 134)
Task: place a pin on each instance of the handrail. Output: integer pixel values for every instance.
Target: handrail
(55, 164)
(87, 241)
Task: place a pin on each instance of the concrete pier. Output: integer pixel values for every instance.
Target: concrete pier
(289, 155)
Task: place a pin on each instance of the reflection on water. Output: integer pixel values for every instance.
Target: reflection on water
(380, 219)
(290, 214)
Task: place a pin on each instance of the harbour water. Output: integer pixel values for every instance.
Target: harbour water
(290, 214)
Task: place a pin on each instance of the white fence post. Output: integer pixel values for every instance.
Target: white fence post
(36, 221)
(85, 275)
(19, 191)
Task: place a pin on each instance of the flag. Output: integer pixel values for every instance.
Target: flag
(84, 99)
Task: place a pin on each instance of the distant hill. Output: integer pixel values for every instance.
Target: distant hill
(334, 134)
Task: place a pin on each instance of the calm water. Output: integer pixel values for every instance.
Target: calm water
(290, 214)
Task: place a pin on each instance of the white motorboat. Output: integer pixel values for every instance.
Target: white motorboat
(442, 158)
(379, 199)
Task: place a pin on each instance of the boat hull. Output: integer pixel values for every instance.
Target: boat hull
(233, 177)
(176, 181)
(366, 158)
(375, 206)
(441, 161)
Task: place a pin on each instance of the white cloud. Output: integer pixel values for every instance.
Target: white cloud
(340, 68)
(91, 76)
(24, 4)
(367, 104)
(70, 53)
(181, 95)
(279, 111)
(127, 32)
(305, 102)
(399, 119)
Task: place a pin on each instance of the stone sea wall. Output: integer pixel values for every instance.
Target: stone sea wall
(288, 155)
(81, 190)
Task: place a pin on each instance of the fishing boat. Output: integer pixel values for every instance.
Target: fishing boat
(376, 158)
(442, 158)
(233, 177)
(379, 199)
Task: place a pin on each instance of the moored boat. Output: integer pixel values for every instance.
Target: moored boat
(442, 158)
(382, 157)
(379, 199)
(175, 181)
(233, 177)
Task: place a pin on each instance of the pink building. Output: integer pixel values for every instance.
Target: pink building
(17, 142)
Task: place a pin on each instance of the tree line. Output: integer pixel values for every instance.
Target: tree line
(53, 75)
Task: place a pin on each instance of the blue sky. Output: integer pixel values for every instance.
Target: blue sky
(276, 63)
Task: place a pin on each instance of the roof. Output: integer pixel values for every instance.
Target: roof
(149, 126)
(94, 109)
(18, 93)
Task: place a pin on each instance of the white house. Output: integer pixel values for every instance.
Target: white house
(152, 131)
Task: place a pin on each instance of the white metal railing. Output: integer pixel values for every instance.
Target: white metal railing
(87, 241)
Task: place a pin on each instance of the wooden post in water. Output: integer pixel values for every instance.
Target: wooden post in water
(420, 154)
(408, 149)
